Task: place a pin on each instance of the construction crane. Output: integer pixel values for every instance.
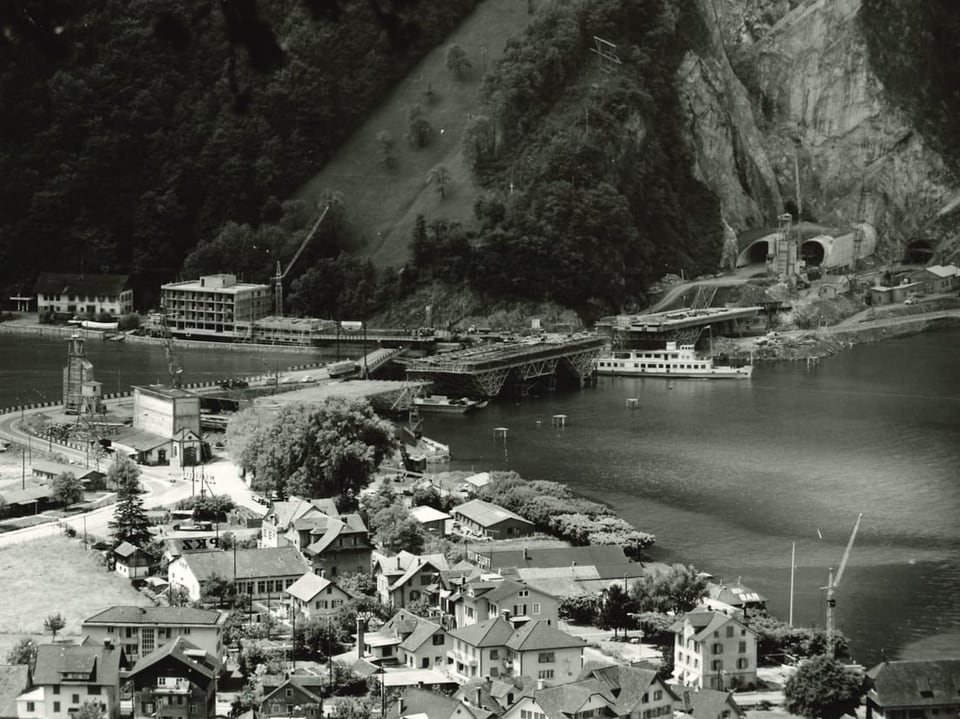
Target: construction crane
(833, 582)
(279, 277)
(174, 368)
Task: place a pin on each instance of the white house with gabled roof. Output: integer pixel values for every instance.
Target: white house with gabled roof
(713, 650)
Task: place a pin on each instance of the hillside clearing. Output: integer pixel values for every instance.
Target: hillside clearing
(382, 204)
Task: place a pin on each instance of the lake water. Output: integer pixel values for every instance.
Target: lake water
(726, 474)
(729, 474)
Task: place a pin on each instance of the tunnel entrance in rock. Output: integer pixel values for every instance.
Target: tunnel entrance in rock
(812, 252)
(918, 252)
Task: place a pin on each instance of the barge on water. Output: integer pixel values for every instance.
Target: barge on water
(674, 361)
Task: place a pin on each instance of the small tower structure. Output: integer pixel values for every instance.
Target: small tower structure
(79, 370)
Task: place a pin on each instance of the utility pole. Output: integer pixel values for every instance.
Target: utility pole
(793, 566)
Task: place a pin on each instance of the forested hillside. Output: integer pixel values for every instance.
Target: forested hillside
(131, 130)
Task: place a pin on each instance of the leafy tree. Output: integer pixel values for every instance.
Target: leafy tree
(220, 591)
(457, 61)
(358, 583)
(395, 530)
(422, 607)
(580, 610)
(385, 143)
(130, 523)
(439, 177)
(23, 652)
(319, 637)
(178, 596)
(228, 541)
(208, 507)
(822, 688)
(677, 589)
(347, 616)
(67, 489)
(331, 449)
(54, 623)
(615, 608)
(89, 710)
(478, 143)
(428, 495)
(255, 655)
(776, 638)
(418, 127)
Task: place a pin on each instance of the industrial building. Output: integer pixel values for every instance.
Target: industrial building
(214, 306)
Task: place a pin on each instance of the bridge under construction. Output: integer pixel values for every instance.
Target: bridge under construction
(684, 325)
(485, 371)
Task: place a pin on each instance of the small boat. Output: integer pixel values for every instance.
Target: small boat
(452, 405)
(674, 361)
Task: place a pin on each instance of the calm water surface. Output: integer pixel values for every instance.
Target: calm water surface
(726, 474)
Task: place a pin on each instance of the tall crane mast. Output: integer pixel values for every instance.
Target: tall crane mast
(174, 368)
(833, 582)
(279, 277)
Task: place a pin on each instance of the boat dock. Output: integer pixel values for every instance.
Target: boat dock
(485, 371)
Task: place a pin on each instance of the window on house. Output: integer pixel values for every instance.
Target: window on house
(494, 653)
(545, 674)
(546, 658)
(425, 663)
(657, 695)
(729, 632)
(30, 707)
(425, 579)
(289, 692)
(536, 608)
(716, 665)
(75, 699)
(93, 690)
(438, 640)
(645, 698)
(743, 663)
(743, 647)
(718, 648)
(494, 671)
(523, 593)
(56, 690)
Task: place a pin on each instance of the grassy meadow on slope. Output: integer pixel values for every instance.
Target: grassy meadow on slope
(381, 203)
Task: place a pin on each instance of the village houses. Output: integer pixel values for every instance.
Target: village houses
(405, 577)
(261, 574)
(176, 680)
(713, 650)
(315, 596)
(141, 630)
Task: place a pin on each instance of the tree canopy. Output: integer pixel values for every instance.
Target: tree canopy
(677, 589)
(822, 688)
(330, 449)
(67, 489)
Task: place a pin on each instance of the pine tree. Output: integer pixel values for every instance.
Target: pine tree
(130, 522)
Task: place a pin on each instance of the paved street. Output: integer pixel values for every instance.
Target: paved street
(164, 486)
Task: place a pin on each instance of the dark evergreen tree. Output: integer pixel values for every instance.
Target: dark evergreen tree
(130, 522)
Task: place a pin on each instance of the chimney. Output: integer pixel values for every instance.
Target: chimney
(360, 630)
(505, 613)
(398, 561)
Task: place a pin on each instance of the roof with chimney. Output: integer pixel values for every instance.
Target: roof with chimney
(130, 614)
(736, 595)
(310, 585)
(628, 685)
(417, 703)
(90, 663)
(328, 529)
(533, 636)
(711, 704)
(489, 633)
(487, 514)
(197, 665)
(705, 623)
(64, 283)
(915, 683)
(403, 566)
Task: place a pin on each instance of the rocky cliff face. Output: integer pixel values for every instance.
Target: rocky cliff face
(785, 84)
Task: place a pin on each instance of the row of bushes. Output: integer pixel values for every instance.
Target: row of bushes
(554, 509)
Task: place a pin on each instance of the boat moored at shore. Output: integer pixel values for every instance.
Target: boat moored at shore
(674, 361)
(449, 405)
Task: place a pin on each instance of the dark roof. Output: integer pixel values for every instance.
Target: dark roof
(129, 614)
(705, 622)
(421, 702)
(565, 700)
(100, 662)
(915, 683)
(268, 562)
(486, 514)
(307, 683)
(25, 496)
(507, 588)
(63, 283)
(710, 703)
(600, 554)
(533, 636)
(194, 660)
(14, 680)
